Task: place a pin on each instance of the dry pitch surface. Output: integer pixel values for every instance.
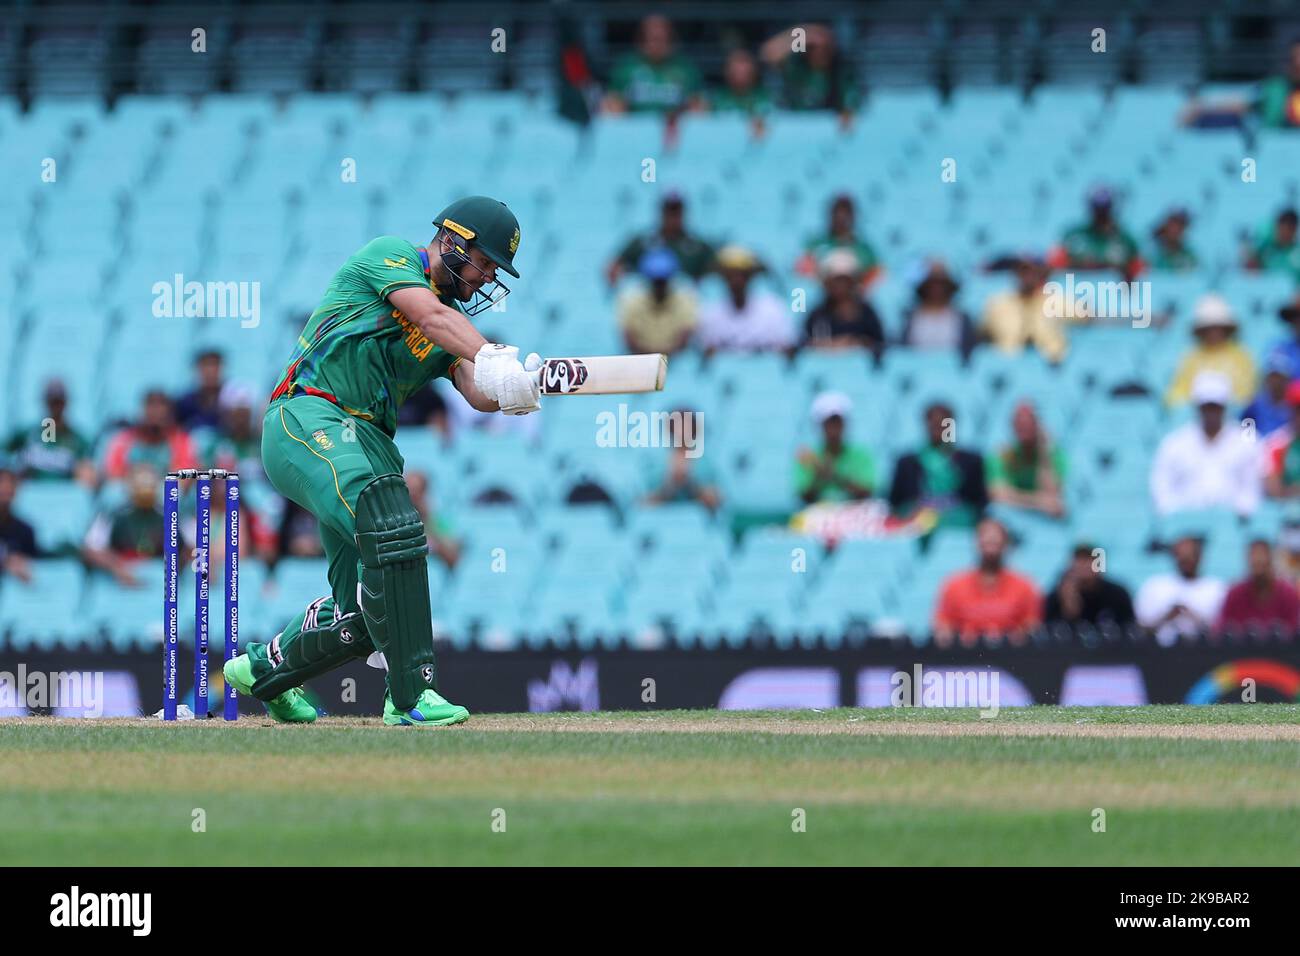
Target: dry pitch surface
(1177, 784)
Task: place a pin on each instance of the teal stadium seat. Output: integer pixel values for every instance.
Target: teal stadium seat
(58, 511)
(48, 612)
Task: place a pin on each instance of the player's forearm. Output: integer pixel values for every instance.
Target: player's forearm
(451, 330)
(464, 382)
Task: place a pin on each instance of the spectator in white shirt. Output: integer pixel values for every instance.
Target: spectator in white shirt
(748, 319)
(1181, 603)
(1208, 463)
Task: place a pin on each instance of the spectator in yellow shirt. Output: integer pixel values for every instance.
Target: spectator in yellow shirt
(1216, 350)
(660, 317)
(1017, 319)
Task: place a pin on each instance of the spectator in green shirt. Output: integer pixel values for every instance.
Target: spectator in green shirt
(1276, 102)
(838, 471)
(654, 79)
(1028, 472)
(1101, 242)
(841, 233)
(694, 255)
(135, 530)
(1277, 249)
(741, 91)
(814, 78)
(940, 475)
(236, 444)
(1170, 252)
(52, 449)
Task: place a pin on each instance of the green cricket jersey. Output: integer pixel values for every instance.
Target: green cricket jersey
(1085, 244)
(360, 352)
(1275, 257)
(654, 87)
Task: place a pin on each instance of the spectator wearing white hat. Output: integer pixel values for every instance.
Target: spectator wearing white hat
(839, 470)
(843, 319)
(236, 444)
(1210, 462)
(748, 319)
(1216, 350)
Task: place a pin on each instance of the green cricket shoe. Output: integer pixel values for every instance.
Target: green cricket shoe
(430, 710)
(291, 707)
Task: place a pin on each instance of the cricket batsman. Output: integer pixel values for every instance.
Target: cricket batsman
(393, 318)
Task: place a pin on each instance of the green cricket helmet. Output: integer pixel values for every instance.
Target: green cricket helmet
(488, 225)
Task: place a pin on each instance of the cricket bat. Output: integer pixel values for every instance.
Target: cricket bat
(604, 374)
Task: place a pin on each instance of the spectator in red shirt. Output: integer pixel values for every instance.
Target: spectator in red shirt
(989, 598)
(1262, 600)
(154, 440)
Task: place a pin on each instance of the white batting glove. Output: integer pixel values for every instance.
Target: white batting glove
(491, 365)
(524, 388)
(500, 376)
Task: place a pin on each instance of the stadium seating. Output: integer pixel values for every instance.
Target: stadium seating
(248, 186)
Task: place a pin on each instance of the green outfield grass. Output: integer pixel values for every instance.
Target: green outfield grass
(1180, 785)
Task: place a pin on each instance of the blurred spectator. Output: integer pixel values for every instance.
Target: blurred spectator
(988, 599)
(1276, 102)
(933, 322)
(1018, 318)
(257, 538)
(1101, 242)
(841, 233)
(1084, 596)
(748, 319)
(940, 475)
(237, 445)
(1169, 252)
(586, 490)
(1181, 603)
(427, 407)
(1262, 599)
(1282, 452)
(655, 78)
(660, 317)
(1208, 463)
(843, 319)
(1290, 346)
(742, 90)
(52, 448)
(17, 538)
(1277, 249)
(116, 539)
(838, 471)
(816, 77)
(1269, 409)
(299, 533)
(1028, 473)
(694, 255)
(1216, 350)
(201, 407)
(684, 474)
(154, 440)
(1288, 548)
(443, 543)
